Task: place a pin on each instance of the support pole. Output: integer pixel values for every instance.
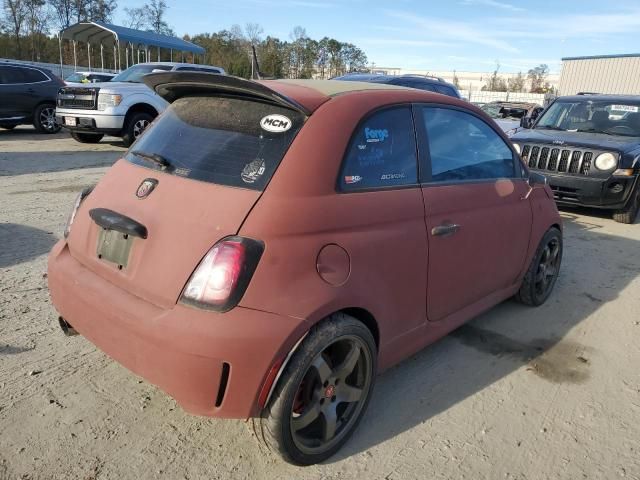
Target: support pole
(158, 53)
(126, 55)
(119, 60)
(89, 54)
(102, 57)
(61, 61)
(115, 59)
(75, 58)
(171, 54)
(138, 54)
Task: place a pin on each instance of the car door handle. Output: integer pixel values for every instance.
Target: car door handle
(445, 230)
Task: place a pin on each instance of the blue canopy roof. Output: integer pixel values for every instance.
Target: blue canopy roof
(108, 34)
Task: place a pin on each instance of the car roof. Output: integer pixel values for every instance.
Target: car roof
(514, 104)
(179, 64)
(302, 95)
(598, 96)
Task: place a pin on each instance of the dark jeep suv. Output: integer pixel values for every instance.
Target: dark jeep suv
(430, 84)
(588, 147)
(28, 96)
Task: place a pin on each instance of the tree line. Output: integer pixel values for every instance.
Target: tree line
(537, 78)
(28, 32)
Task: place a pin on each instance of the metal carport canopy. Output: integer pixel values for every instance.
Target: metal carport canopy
(108, 34)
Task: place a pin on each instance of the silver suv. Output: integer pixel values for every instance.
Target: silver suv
(123, 107)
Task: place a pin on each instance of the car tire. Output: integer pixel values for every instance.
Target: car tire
(543, 272)
(8, 127)
(44, 119)
(305, 421)
(630, 212)
(87, 137)
(136, 125)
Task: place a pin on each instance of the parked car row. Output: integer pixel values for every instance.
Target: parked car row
(300, 267)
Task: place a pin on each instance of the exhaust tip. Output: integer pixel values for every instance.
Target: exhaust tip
(66, 327)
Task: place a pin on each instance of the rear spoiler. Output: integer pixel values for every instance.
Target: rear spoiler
(173, 85)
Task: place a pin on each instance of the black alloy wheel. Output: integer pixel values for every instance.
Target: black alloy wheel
(323, 392)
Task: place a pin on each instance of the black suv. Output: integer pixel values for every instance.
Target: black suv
(588, 147)
(28, 96)
(431, 84)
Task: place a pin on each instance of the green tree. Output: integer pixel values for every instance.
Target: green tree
(538, 78)
(516, 84)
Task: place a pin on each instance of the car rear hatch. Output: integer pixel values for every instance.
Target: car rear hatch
(188, 182)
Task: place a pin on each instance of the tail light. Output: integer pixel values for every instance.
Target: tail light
(221, 278)
(81, 196)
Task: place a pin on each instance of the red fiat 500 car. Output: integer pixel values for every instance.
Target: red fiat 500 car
(267, 247)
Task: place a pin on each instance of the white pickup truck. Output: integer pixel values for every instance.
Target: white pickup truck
(123, 107)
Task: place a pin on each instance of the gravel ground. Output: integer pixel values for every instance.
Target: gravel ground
(518, 393)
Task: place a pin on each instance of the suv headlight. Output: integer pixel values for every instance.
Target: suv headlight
(107, 100)
(606, 161)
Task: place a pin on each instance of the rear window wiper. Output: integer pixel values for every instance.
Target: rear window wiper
(154, 158)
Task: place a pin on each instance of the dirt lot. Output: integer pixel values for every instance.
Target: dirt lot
(519, 393)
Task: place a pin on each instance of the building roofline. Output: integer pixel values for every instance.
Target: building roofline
(593, 57)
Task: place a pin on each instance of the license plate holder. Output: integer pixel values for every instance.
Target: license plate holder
(114, 247)
(71, 121)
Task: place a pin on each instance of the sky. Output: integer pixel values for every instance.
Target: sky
(441, 35)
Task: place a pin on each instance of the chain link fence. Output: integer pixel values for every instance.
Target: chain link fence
(62, 71)
(482, 96)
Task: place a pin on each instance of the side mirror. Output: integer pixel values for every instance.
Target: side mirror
(526, 122)
(536, 179)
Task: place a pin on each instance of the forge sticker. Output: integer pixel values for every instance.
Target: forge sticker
(253, 171)
(351, 179)
(376, 135)
(275, 123)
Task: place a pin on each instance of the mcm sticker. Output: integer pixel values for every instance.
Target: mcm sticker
(275, 123)
(373, 135)
(351, 179)
(392, 176)
(253, 171)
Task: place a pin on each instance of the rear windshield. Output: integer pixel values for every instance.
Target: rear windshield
(227, 141)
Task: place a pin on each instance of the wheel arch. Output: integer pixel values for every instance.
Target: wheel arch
(277, 369)
(140, 107)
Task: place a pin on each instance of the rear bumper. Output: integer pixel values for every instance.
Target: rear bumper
(182, 350)
(612, 193)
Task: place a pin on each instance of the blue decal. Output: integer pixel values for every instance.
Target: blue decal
(376, 135)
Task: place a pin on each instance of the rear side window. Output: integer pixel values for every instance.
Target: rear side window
(463, 147)
(227, 141)
(33, 76)
(382, 152)
(445, 90)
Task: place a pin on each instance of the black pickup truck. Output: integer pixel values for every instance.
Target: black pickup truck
(588, 147)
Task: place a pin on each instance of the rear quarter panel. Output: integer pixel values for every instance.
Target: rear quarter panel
(383, 232)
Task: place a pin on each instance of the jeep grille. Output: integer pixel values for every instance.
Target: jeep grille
(554, 159)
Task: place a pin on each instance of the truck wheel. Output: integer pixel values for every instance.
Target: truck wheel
(136, 124)
(44, 119)
(543, 272)
(629, 213)
(323, 392)
(87, 137)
